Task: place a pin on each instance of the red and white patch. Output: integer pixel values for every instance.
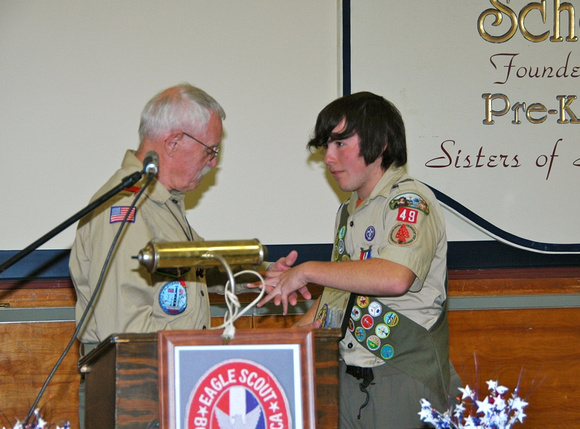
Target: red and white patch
(238, 393)
(407, 215)
(403, 234)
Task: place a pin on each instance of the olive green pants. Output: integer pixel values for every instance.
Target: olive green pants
(393, 400)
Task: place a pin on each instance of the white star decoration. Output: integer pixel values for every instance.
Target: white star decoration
(492, 412)
(39, 423)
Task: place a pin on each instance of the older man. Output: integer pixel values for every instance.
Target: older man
(183, 124)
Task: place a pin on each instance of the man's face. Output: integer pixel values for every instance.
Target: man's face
(192, 160)
(347, 166)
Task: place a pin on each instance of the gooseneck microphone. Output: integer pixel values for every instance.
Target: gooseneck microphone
(151, 163)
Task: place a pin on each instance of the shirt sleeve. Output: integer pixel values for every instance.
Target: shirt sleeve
(412, 233)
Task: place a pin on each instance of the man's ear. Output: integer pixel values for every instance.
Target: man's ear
(171, 142)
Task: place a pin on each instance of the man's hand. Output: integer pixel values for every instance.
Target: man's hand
(283, 285)
(281, 265)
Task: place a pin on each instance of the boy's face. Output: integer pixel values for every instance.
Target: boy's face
(348, 167)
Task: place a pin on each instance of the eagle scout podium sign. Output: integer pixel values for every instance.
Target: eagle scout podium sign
(133, 380)
(260, 379)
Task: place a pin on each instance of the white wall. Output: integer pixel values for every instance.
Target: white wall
(430, 59)
(74, 76)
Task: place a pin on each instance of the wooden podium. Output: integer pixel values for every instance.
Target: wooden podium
(122, 386)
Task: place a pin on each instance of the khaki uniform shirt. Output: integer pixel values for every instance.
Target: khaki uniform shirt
(400, 221)
(128, 301)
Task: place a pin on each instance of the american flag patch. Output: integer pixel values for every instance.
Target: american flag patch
(118, 214)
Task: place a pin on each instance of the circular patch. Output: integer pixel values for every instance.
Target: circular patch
(382, 330)
(403, 234)
(387, 351)
(362, 301)
(391, 319)
(355, 313)
(375, 309)
(373, 343)
(340, 246)
(342, 232)
(360, 334)
(238, 393)
(173, 298)
(350, 325)
(370, 233)
(367, 321)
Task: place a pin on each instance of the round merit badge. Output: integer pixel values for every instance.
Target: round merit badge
(238, 393)
(173, 298)
(375, 309)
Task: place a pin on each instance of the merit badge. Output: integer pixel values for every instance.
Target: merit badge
(173, 297)
(387, 351)
(391, 319)
(410, 200)
(382, 330)
(355, 313)
(403, 234)
(373, 343)
(342, 232)
(359, 334)
(370, 233)
(375, 309)
(340, 246)
(367, 321)
(362, 301)
(238, 393)
(118, 214)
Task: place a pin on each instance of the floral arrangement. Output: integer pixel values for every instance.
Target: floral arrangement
(39, 423)
(494, 412)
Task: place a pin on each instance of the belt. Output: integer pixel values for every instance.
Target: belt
(360, 373)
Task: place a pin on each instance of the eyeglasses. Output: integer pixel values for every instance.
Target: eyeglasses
(214, 151)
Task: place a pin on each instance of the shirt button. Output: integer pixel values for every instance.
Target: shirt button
(351, 223)
(203, 327)
(350, 345)
(202, 293)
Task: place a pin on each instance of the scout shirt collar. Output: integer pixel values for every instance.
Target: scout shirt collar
(155, 191)
(389, 178)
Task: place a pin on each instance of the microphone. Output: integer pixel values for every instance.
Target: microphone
(201, 254)
(151, 163)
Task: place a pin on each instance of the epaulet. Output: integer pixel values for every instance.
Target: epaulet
(405, 183)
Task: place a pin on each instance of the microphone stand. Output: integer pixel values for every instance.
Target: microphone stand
(126, 182)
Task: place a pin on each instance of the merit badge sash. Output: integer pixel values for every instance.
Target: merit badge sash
(335, 305)
(401, 342)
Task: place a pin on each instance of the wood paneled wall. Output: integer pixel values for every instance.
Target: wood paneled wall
(537, 349)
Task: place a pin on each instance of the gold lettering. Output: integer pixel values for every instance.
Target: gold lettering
(524, 12)
(571, 24)
(536, 107)
(518, 21)
(497, 13)
(565, 102)
(489, 112)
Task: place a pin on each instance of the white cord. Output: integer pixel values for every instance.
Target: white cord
(233, 312)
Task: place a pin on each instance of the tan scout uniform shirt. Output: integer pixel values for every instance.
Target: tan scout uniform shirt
(375, 229)
(129, 298)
